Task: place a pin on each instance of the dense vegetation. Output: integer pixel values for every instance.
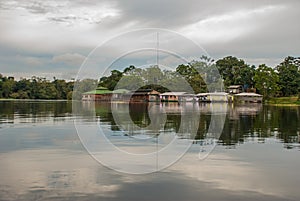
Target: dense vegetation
(278, 81)
(40, 88)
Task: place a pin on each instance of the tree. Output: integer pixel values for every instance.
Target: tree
(111, 81)
(266, 80)
(130, 82)
(7, 87)
(235, 72)
(289, 76)
(193, 77)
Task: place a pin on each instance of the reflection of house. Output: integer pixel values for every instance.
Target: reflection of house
(235, 89)
(100, 94)
(144, 95)
(248, 97)
(171, 96)
(213, 97)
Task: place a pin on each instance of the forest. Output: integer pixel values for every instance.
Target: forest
(202, 75)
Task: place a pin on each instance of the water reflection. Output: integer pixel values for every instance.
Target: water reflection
(41, 157)
(18, 112)
(243, 122)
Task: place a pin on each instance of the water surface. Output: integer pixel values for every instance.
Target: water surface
(42, 158)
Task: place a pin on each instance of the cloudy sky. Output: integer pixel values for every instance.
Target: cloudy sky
(52, 38)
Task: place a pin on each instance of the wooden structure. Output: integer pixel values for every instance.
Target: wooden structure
(187, 98)
(99, 94)
(248, 97)
(235, 89)
(213, 97)
(171, 96)
(143, 95)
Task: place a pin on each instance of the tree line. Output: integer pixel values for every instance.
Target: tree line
(206, 75)
(200, 76)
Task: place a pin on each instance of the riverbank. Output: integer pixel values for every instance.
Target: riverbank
(284, 101)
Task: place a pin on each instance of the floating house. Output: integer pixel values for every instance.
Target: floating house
(187, 98)
(143, 95)
(171, 96)
(203, 97)
(213, 97)
(99, 94)
(248, 98)
(235, 89)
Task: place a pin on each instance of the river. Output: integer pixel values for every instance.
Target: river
(254, 154)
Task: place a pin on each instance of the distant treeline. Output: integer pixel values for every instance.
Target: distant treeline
(205, 74)
(201, 76)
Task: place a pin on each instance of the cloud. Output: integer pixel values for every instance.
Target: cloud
(246, 29)
(69, 59)
(228, 26)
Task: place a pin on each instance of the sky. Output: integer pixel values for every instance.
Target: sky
(53, 38)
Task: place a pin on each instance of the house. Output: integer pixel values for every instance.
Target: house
(218, 97)
(202, 97)
(99, 94)
(187, 98)
(143, 95)
(213, 97)
(235, 89)
(248, 97)
(171, 96)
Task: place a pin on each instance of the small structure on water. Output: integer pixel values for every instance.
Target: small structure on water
(171, 96)
(144, 95)
(248, 98)
(187, 98)
(213, 97)
(235, 89)
(99, 94)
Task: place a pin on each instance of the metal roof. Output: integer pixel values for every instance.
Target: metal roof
(248, 94)
(234, 86)
(120, 91)
(173, 93)
(99, 90)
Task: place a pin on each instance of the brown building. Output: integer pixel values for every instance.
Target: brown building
(171, 96)
(100, 94)
(248, 97)
(144, 95)
(235, 89)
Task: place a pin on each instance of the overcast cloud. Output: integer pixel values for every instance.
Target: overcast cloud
(52, 38)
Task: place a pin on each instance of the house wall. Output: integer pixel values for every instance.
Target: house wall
(87, 97)
(102, 97)
(248, 99)
(203, 99)
(216, 98)
(170, 98)
(139, 98)
(153, 98)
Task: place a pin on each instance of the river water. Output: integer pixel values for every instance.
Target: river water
(254, 157)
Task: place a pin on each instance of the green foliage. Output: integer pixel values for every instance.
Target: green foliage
(235, 71)
(34, 88)
(81, 86)
(289, 76)
(111, 81)
(197, 76)
(266, 80)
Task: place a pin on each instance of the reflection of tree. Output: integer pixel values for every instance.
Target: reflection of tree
(270, 121)
(243, 122)
(35, 110)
